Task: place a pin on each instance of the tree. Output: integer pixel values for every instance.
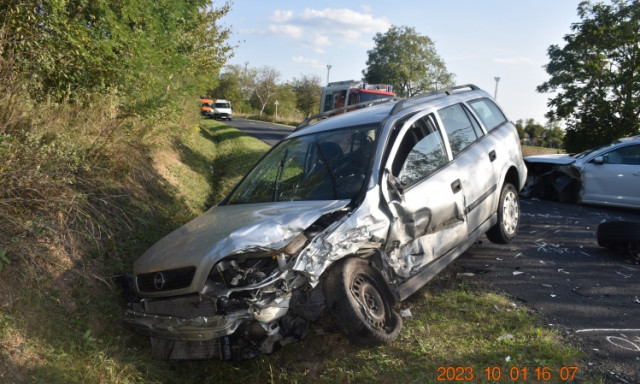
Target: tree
(138, 49)
(408, 61)
(286, 98)
(535, 132)
(554, 136)
(308, 92)
(228, 86)
(266, 85)
(520, 128)
(596, 75)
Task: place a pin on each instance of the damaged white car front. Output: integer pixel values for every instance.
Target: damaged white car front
(606, 175)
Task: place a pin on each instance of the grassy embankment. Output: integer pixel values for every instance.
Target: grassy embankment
(59, 316)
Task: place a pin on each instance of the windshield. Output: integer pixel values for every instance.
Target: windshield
(589, 151)
(324, 166)
(223, 105)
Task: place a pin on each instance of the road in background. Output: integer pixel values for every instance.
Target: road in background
(555, 267)
(267, 132)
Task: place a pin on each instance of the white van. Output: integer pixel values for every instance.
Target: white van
(221, 110)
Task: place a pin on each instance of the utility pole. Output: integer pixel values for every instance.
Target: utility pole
(328, 71)
(495, 93)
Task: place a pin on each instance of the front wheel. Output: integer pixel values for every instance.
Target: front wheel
(508, 216)
(359, 302)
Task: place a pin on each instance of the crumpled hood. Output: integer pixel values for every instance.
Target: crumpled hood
(231, 229)
(558, 159)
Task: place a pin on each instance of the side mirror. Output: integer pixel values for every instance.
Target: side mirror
(598, 160)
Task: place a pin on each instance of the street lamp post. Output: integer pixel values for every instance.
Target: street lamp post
(328, 71)
(495, 93)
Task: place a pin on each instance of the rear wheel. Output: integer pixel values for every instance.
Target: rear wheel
(508, 216)
(621, 236)
(359, 302)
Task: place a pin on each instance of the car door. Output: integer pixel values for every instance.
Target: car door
(613, 177)
(422, 190)
(475, 157)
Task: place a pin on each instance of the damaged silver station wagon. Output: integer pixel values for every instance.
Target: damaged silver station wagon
(350, 214)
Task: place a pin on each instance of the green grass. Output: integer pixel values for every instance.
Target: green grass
(211, 159)
(65, 328)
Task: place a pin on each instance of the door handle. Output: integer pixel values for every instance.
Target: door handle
(492, 155)
(456, 186)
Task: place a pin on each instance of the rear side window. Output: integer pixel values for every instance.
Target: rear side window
(488, 112)
(462, 129)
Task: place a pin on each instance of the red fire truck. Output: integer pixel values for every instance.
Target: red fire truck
(340, 95)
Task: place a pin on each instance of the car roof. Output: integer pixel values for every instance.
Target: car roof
(390, 107)
(630, 139)
(366, 116)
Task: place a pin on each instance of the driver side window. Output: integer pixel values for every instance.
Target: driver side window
(421, 152)
(629, 155)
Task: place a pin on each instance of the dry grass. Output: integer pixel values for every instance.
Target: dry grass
(531, 151)
(79, 200)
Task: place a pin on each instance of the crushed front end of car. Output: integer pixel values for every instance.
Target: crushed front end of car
(353, 213)
(244, 278)
(552, 177)
(223, 287)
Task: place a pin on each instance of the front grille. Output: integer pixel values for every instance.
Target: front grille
(186, 307)
(165, 280)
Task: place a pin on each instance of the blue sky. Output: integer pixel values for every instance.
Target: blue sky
(478, 40)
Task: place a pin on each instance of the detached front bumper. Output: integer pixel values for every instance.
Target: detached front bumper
(194, 327)
(201, 328)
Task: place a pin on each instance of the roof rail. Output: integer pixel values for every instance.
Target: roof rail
(344, 109)
(433, 94)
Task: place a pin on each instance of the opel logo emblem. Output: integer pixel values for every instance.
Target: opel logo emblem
(159, 281)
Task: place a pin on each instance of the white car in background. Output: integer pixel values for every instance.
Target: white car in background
(607, 175)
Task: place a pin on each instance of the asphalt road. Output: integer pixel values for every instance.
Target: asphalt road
(267, 132)
(555, 267)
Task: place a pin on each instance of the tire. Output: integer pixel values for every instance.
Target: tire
(621, 236)
(508, 216)
(360, 303)
(618, 232)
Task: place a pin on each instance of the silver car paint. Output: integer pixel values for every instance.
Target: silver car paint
(601, 184)
(228, 230)
(399, 228)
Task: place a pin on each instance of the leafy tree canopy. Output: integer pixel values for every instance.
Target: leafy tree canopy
(308, 92)
(140, 49)
(596, 75)
(408, 61)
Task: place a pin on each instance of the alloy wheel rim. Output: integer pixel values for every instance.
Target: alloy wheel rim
(510, 213)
